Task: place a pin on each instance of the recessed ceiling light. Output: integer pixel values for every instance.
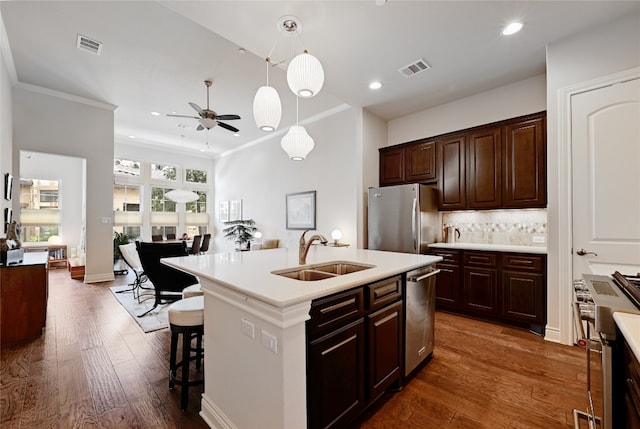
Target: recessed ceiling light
(512, 28)
(236, 134)
(132, 137)
(155, 113)
(375, 85)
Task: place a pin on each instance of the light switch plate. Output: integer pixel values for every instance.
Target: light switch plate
(269, 342)
(248, 329)
(539, 239)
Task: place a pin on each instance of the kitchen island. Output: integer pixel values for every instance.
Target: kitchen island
(255, 340)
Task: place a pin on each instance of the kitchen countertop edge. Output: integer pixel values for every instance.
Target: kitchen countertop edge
(629, 325)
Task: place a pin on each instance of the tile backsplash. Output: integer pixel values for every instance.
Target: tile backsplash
(520, 227)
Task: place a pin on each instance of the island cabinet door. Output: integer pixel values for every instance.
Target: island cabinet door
(385, 348)
(335, 377)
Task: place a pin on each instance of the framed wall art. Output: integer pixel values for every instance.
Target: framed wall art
(301, 210)
(235, 210)
(223, 211)
(8, 186)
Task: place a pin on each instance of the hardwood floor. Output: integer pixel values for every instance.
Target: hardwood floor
(93, 367)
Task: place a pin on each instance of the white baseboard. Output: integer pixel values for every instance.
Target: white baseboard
(214, 416)
(552, 334)
(96, 278)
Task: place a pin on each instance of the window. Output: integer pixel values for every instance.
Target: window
(165, 172)
(199, 206)
(197, 218)
(127, 217)
(164, 218)
(159, 203)
(39, 209)
(126, 167)
(195, 176)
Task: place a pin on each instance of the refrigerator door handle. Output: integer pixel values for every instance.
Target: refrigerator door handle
(414, 222)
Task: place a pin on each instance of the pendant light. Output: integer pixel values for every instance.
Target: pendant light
(182, 195)
(305, 75)
(297, 143)
(267, 109)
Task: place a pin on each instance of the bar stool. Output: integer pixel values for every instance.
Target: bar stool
(193, 290)
(186, 317)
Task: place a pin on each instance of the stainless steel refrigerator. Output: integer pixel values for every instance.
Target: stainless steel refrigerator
(403, 218)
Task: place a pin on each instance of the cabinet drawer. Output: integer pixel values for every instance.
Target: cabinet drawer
(484, 259)
(385, 291)
(522, 262)
(336, 310)
(451, 257)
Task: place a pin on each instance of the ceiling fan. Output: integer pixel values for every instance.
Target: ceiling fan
(208, 118)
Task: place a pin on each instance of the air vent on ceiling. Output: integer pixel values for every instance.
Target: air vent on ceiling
(414, 68)
(89, 45)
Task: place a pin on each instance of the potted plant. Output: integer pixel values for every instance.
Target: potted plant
(241, 232)
(118, 239)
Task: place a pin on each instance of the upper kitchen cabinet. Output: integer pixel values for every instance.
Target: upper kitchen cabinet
(525, 160)
(420, 162)
(391, 166)
(484, 169)
(451, 186)
(413, 162)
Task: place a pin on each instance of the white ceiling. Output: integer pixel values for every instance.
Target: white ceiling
(156, 55)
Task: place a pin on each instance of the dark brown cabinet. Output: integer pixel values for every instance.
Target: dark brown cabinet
(508, 287)
(626, 386)
(525, 160)
(413, 162)
(484, 169)
(451, 186)
(420, 162)
(448, 279)
(354, 351)
(392, 166)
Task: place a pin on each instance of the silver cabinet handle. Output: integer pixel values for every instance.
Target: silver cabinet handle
(582, 252)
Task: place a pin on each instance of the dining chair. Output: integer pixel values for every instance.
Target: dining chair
(205, 243)
(168, 282)
(132, 259)
(195, 247)
(171, 236)
(156, 238)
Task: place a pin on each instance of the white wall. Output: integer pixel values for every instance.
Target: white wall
(6, 113)
(602, 51)
(374, 136)
(49, 122)
(262, 175)
(70, 173)
(520, 98)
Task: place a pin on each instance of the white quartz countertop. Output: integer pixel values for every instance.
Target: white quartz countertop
(249, 273)
(629, 325)
(491, 247)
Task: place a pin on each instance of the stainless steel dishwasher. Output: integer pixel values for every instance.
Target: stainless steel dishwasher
(420, 303)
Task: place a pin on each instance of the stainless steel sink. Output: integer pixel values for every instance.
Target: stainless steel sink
(325, 270)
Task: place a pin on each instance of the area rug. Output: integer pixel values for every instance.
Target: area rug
(152, 321)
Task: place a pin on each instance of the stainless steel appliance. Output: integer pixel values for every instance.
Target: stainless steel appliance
(420, 303)
(597, 297)
(403, 218)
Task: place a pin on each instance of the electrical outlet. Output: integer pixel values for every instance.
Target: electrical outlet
(248, 329)
(269, 342)
(539, 239)
(105, 220)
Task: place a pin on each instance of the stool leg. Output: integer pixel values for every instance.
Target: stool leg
(186, 354)
(199, 351)
(172, 358)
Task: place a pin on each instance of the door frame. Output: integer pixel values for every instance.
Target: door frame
(565, 333)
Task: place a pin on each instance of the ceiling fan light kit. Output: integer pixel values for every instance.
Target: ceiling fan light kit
(297, 143)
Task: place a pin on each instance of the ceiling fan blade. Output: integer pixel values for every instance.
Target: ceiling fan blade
(200, 128)
(182, 116)
(197, 109)
(228, 117)
(228, 127)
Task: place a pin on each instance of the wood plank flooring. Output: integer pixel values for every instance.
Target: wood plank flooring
(93, 367)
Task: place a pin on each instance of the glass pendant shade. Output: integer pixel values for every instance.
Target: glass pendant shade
(305, 75)
(267, 109)
(182, 196)
(297, 143)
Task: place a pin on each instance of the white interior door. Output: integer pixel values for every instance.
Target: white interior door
(605, 144)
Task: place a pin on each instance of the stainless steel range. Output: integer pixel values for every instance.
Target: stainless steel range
(596, 299)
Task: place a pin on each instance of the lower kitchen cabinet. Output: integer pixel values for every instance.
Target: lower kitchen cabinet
(506, 287)
(336, 377)
(354, 351)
